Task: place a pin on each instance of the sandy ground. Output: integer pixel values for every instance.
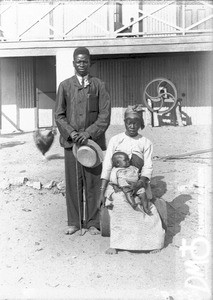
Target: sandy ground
(39, 261)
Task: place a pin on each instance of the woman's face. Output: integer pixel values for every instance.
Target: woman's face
(132, 126)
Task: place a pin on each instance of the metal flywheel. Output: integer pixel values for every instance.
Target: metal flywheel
(160, 96)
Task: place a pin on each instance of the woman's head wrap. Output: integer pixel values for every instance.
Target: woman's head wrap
(134, 112)
(81, 50)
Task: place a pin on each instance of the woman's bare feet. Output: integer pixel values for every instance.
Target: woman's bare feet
(71, 230)
(111, 251)
(93, 230)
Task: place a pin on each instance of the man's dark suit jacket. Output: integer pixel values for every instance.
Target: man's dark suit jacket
(82, 109)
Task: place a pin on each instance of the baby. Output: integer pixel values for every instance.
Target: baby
(121, 177)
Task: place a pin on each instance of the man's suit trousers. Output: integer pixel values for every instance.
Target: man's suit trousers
(88, 179)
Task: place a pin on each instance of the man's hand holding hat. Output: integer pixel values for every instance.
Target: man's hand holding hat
(82, 137)
(73, 136)
(79, 137)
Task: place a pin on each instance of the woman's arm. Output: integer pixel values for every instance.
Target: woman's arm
(103, 187)
(107, 163)
(106, 170)
(147, 168)
(148, 165)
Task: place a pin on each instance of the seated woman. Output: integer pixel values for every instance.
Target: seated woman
(130, 229)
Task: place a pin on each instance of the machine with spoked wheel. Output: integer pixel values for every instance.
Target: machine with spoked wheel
(160, 96)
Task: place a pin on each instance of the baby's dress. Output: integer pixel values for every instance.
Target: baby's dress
(121, 177)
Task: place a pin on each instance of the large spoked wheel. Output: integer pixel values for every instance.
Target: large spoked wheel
(160, 96)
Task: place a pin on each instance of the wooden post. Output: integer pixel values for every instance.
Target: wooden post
(178, 113)
(155, 120)
(51, 22)
(148, 114)
(37, 110)
(0, 102)
(110, 18)
(64, 65)
(140, 23)
(151, 117)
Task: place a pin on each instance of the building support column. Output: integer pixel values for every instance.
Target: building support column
(64, 65)
(110, 18)
(0, 101)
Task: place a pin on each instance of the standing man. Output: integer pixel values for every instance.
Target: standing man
(82, 112)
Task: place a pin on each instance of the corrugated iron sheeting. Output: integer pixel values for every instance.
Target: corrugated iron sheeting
(122, 76)
(25, 82)
(128, 77)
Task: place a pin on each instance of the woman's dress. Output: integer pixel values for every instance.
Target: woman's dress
(131, 229)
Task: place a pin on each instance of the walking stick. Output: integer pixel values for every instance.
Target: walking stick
(84, 197)
(78, 198)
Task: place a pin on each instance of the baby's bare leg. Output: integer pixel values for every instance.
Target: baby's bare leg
(129, 197)
(145, 203)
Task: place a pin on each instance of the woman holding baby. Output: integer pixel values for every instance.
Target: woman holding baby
(132, 229)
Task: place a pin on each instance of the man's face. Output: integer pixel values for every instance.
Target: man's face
(81, 64)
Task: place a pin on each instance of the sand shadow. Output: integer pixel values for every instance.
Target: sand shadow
(54, 156)
(10, 144)
(11, 135)
(158, 186)
(177, 210)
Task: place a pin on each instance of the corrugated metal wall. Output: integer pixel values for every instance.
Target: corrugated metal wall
(25, 82)
(35, 73)
(127, 77)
